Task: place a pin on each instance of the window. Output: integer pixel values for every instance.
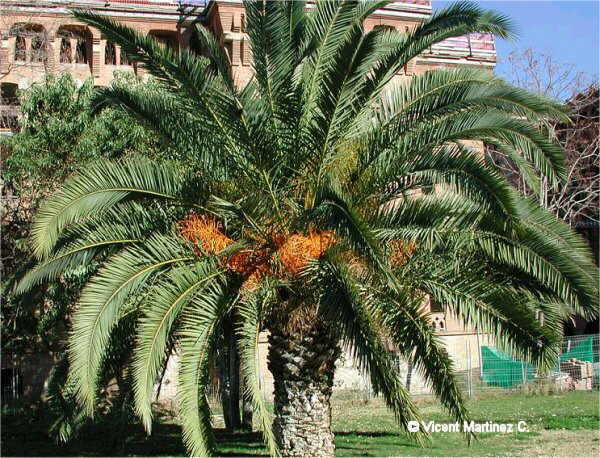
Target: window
(435, 307)
(8, 94)
(195, 44)
(406, 70)
(383, 27)
(165, 38)
(110, 54)
(229, 51)
(12, 385)
(20, 49)
(31, 42)
(75, 46)
(427, 188)
(81, 52)
(66, 54)
(38, 49)
(123, 59)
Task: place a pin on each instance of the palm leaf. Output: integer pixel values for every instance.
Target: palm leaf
(198, 339)
(99, 307)
(97, 189)
(342, 303)
(252, 312)
(165, 304)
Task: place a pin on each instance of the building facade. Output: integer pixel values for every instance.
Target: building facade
(38, 37)
(41, 36)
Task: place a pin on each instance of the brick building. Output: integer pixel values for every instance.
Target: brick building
(40, 36)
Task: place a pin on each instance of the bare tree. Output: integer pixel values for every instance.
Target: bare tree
(577, 200)
(543, 74)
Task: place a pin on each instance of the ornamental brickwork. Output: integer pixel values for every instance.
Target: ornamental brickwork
(40, 36)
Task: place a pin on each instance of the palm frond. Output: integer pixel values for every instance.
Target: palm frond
(68, 418)
(161, 309)
(429, 138)
(252, 312)
(100, 307)
(333, 210)
(458, 19)
(122, 225)
(508, 314)
(342, 302)
(199, 324)
(98, 188)
(537, 245)
(216, 55)
(188, 73)
(414, 337)
(176, 70)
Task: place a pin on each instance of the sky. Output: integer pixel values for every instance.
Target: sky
(568, 30)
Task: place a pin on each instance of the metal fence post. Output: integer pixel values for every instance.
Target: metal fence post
(469, 381)
(479, 354)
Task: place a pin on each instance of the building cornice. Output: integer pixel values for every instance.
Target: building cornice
(475, 60)
(157, 9)
(66, 11)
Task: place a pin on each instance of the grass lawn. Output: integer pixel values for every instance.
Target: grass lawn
(559, 425)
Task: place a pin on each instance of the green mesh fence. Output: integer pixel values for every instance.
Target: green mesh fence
(582, 350)
(499, 369)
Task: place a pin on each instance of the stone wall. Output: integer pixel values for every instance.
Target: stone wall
(349, 381)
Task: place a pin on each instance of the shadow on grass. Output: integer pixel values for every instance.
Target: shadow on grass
(239, 443)
(22, 436)
(28, 436)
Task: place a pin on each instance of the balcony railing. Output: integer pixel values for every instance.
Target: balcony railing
(109, 3)
(410, 2)
(473, 44)
(158, 3)
(9, 118)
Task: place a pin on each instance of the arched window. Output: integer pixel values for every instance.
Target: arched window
(76, 44)
(110, 54)
(81, 51)
(32, 36)
(20, 49)
(38, 49)
(123, 59)
(66, 53)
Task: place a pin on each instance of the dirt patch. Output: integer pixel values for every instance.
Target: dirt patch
(563, 443)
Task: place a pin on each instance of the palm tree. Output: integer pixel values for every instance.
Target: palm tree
(326, 203)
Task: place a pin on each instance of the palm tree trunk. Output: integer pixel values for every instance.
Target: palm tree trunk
(303, 367)
(247, 413)
(229, 379)
(409, 371)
